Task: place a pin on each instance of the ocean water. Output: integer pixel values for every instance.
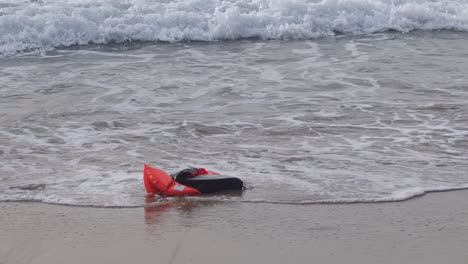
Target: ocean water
(306, 101)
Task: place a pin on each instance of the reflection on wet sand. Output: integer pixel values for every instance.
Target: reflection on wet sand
(158, 207)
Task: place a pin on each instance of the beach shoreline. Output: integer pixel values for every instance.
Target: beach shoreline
(428, 229)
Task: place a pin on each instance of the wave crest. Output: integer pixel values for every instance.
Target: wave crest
(45, 24)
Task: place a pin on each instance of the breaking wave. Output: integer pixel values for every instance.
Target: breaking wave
(26, 25)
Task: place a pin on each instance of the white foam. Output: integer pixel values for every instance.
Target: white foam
(336, 128)
(26, 25)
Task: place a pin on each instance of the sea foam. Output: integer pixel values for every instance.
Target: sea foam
(26, 25)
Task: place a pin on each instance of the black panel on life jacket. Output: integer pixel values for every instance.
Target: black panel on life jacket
(184, 174)
(209, 183)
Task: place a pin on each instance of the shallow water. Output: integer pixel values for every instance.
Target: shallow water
(370, 117)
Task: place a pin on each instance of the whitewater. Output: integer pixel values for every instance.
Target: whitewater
(27, 25)
(306, 101)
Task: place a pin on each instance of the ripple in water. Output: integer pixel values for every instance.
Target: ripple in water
(345, 119)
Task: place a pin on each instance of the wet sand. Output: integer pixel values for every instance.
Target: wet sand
(428, 229)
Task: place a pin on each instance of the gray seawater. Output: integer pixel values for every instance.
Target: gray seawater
(376, 117)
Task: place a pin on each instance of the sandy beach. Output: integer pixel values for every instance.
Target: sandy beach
(429, 229)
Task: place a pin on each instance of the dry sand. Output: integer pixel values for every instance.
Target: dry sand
(429, 229)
